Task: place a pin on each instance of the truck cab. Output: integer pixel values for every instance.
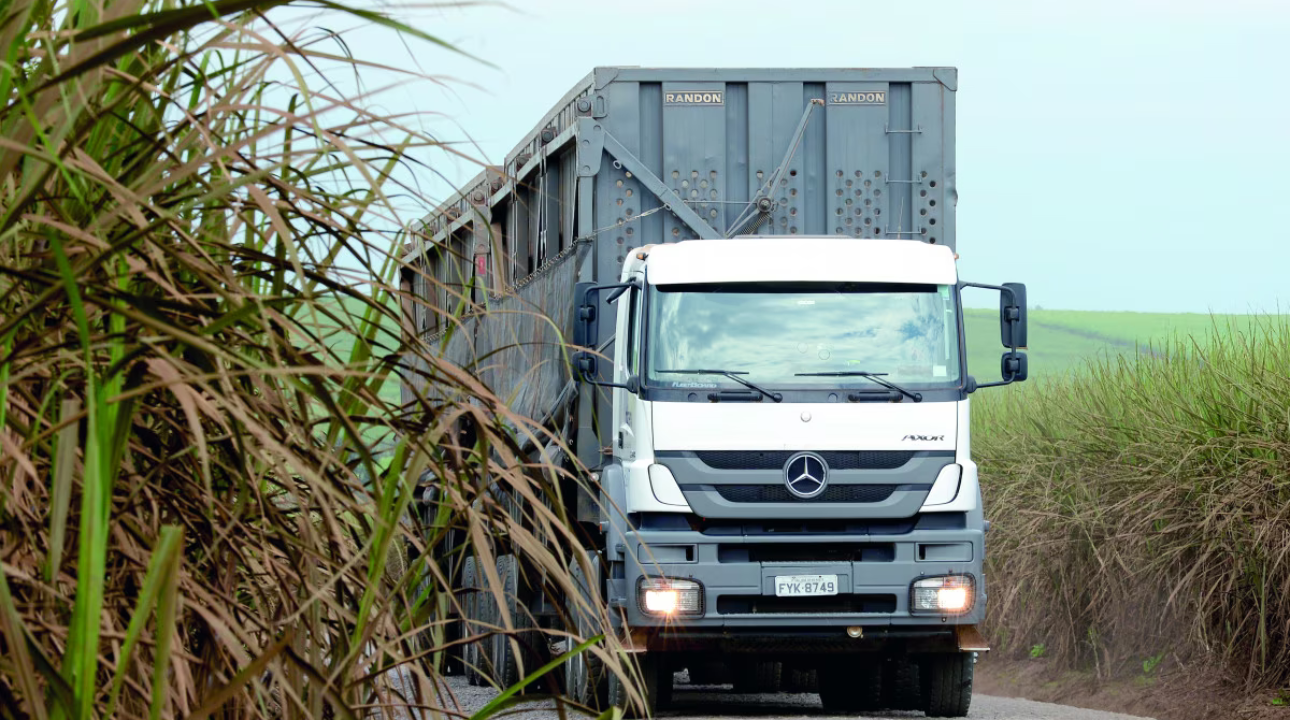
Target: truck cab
(791, 498)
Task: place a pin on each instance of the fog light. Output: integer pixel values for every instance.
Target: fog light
(947, 595)
(669, 597)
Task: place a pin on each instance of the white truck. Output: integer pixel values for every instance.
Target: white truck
(769, 387)
(793, 459)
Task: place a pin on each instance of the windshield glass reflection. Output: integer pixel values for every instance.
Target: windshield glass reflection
(773, 332)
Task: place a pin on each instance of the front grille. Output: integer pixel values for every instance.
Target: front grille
(775, 460)
(834, 604)
(780, 494)
(734, 527)
(815, 553)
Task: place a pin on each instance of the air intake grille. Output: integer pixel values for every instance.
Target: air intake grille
(780, 494)
(774, 460)
(835, 604)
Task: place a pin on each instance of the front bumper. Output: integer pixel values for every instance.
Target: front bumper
(738, 578)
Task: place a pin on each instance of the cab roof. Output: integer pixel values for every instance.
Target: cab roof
(799, 259)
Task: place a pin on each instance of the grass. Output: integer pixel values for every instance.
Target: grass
(195, 519)
(341, 341)
(1062, 341)
(1141, 506)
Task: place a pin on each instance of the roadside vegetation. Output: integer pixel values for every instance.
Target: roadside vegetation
(1141, 508)
(208, 507)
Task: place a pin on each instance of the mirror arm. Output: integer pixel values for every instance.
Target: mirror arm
(613, 296)
(618, 288)
(633, 384)
(1000, 288)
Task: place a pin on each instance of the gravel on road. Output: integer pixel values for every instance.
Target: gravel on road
(718, 702)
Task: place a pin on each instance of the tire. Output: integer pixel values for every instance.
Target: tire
(486, 619)
(798, 680)
(947, 684)
(757, 676)
(901, 688)
(852, 685)
(469, 625)
(585, 679)
(426, 637)
(513, 656)
(709, 672)
(656, 676)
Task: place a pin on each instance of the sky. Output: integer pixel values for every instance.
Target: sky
(1113, 155)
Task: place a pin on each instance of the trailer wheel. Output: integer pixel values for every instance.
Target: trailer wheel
(470, 621)
(585, 673)
(486, 623)
(851, 685)
(947, 684)
(656, 676)
(426, 637)
(757, 676)
(513, 655)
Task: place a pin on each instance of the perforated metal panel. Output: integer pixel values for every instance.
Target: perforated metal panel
(634, 156)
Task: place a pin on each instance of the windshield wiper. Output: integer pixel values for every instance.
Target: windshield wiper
(876, 377)
(733, 375)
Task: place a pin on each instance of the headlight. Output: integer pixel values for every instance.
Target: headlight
(668, 597)
(947, 595)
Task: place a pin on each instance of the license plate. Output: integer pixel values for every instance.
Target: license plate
(805, 585)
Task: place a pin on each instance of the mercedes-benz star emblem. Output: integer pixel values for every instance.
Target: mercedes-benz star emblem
(806, 474)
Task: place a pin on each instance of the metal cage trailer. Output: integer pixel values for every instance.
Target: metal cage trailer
(754, 275)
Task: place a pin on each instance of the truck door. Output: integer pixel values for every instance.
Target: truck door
(627, 362)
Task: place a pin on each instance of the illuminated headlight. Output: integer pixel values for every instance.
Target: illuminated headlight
(668, 597)
(947, 595)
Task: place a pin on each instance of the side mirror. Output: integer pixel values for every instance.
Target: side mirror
(586, 365)
(1012, 316)
(586, 323)
(586, 332)
(1013, 367)
(1012, 332)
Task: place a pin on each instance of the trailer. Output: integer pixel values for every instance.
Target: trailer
(761, 500)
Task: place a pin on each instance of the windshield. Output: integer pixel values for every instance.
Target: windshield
(775, 331)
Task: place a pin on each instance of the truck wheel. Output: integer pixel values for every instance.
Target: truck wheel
(709, 672)
(798, 680)
(947, 684)
(656, 676)
(585, 673)
(470, 621)
(901, 689)
(757, 676)
(851, 685)
(513, 656)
